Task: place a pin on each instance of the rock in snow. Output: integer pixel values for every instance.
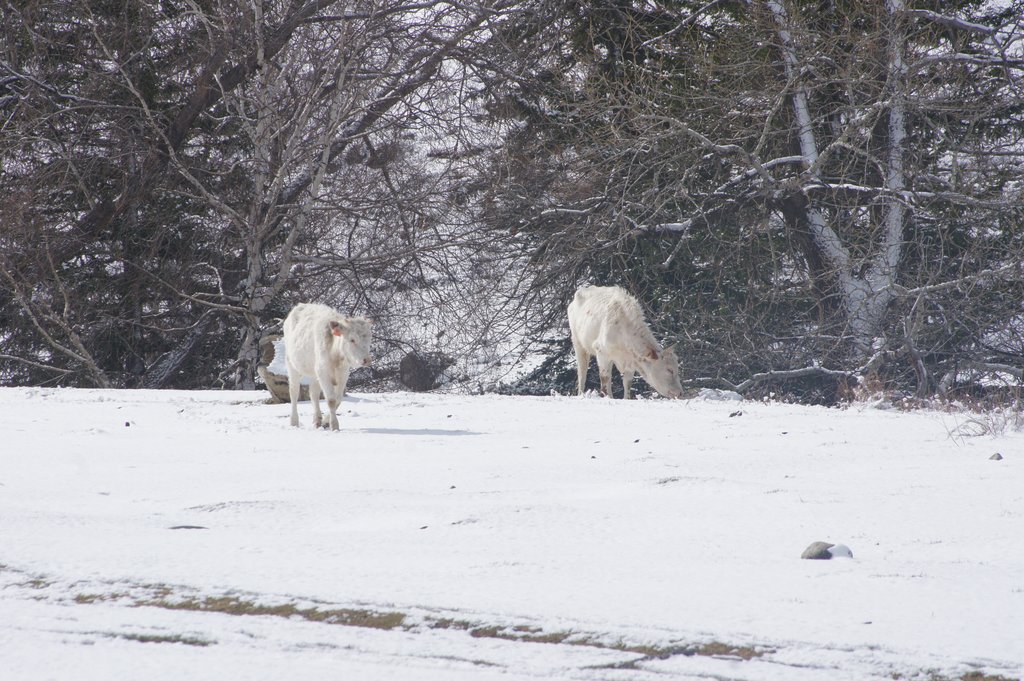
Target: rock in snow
(841, 551)
(821, 550)
(712, 395)
(273, 370)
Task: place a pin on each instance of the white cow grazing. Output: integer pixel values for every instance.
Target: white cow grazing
(324, 345)
(608, 322)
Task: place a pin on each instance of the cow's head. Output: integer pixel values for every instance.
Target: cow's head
(660, 368)
(353, 336)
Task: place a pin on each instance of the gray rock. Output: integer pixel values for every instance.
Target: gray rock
(821, 550)
(818, 550)
(996, 457)
(276, 383)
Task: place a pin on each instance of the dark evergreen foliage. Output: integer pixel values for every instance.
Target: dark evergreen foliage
(657, 148)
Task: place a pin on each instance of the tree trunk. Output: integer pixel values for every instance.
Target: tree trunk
(161, 372)
(866, 294)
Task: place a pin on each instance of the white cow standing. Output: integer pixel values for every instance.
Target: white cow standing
(607, 322)
(324, 345)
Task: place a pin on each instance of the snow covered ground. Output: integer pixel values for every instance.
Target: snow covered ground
(195, 535)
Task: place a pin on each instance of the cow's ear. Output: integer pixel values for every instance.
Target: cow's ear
(652, 353)
(337, 328)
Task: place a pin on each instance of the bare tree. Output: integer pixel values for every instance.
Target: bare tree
(246, 134)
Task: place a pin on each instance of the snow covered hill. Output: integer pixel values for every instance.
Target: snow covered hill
(171, 535)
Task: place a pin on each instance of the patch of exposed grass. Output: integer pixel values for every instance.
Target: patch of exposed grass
(647, 653)
(153, 591)
(233, 605)
(529, 634)
(711, 649)
(716, 649)
(157, 638)
(447, 623)
(163, 596)
(969, 676)
(524, 634)
(473, 661)
(36, 583)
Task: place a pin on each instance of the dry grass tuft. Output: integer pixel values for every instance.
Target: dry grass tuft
(232, 605)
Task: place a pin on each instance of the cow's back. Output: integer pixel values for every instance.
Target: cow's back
(588, 315)
(608, 319)
(602, 314)
(306, 334)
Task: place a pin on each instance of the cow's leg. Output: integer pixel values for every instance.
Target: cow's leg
(342, 379)
(294, 386)
(582, 364)
(327, 383)
(627, 382)
(604, 370)
(332, 406)
(334, 391)
(314, 397)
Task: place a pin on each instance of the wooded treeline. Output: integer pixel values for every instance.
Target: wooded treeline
(803, 194)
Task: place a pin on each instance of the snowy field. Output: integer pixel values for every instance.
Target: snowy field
(195, 535)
